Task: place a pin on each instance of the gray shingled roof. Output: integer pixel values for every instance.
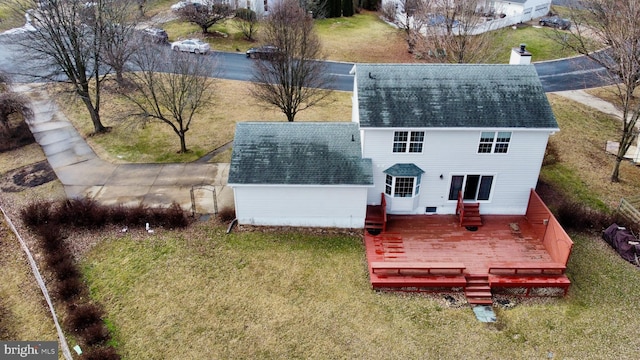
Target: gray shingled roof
(299, 153)
(452, 95)
(404, 170)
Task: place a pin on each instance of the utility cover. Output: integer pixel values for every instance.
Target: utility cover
(484, 313)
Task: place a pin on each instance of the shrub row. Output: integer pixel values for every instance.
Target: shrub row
(48, 219)
(83, 318)
(88, 214)
(577, 216)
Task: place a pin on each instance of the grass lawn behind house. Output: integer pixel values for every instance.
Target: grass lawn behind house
(252, 295)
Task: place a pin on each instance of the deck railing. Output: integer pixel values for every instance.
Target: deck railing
(555, 240)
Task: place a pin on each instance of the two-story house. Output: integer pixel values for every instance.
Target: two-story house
(433, 131)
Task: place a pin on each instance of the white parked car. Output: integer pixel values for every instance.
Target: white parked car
(182, 4)
(195, 46)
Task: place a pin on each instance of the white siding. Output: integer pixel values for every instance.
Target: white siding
(342, 207)
(454, 152)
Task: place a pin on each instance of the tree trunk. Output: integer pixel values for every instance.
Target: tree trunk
(183, 143)
(615, 176)
(95, 115)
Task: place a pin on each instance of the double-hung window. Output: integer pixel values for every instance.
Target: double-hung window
(403, 180)
(494, 142)
(473, 187)
(408, 141)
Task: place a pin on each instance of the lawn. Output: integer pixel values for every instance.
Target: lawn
(22, 314)
(585, 168)
(285, 294)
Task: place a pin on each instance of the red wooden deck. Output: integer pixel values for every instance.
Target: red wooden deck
(434, 251)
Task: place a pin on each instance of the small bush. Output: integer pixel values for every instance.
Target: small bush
(101, 353)
(81, 317)
(118, 215)
(51, 237)
(175, 217)
(69, 289)
(227, 214)
(137, 216)
(66, 269)
(96, 334)
(36, 214)
(83, 213)
(551, 155)
(52, 258)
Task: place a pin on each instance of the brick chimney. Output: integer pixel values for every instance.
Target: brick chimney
(520, 56)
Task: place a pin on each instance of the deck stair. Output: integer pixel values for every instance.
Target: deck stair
(389, 245)
(376, 219)
(477, 290)
(469, 213)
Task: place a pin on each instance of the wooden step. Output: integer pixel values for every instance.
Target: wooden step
(476, 282)
(480, 301)
(478, 293)
(478, 288)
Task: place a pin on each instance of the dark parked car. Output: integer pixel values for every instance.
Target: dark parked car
(263, 52)
(556, 22)
(156, 35)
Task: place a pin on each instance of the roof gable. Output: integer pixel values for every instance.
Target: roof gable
(298, 153)
(452, 95)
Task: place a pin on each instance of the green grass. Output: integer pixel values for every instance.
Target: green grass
(538, 40)
(9, 17)
(584, 167)
(297, 295)
(22, 315)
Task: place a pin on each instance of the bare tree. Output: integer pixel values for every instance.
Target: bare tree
(68, 39)
(12, 133)
(291, 79)
(247, 23)
(141, 7)
(119, 34)
(205, 16)
(171, 88)
(614, 25)
(410, 17)
(451, 32)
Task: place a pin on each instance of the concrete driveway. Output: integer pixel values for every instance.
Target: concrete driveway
(82, 173)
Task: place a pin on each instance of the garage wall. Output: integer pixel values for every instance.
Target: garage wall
(342, 207)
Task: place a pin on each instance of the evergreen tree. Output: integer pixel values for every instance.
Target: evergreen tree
(334, 8)
(347, 7)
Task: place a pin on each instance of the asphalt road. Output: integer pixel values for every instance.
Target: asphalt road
(565, 74)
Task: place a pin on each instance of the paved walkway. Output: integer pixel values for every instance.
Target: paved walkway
(589, 100)
(82, 173)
